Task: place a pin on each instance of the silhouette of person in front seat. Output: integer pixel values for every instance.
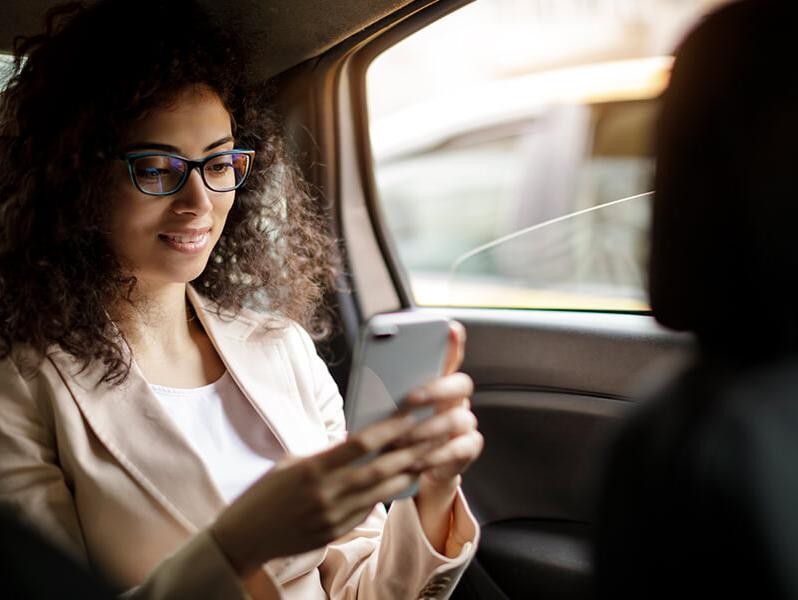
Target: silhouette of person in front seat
(700, 495)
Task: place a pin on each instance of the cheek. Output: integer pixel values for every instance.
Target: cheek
(221, 209)
(119, 221)
(132, 221)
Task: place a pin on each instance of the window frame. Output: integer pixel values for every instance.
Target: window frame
(353, 115)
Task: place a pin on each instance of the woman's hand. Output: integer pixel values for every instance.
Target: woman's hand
(306, 503)
(303, 504)
(456, 443)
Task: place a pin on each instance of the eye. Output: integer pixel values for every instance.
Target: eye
(157, 173)
(156, 167)
(219, 167)
(151, 173)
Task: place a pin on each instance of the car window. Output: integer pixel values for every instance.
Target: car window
(6, 66)
(512, 148)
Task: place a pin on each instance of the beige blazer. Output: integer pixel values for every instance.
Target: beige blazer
(103, 470)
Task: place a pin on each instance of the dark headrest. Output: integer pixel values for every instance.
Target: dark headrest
(724, 259)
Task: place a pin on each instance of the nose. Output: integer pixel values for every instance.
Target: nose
(194, 197)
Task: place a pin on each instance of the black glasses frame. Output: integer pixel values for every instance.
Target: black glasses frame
(190, 166)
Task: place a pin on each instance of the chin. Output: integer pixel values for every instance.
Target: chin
(188, 277)
(177, 274)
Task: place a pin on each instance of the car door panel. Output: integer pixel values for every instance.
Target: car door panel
(550, 388)
(535, 558)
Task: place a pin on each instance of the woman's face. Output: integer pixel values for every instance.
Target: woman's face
(168, 239)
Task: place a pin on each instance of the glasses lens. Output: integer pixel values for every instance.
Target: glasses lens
(158, 174)
(227, 171)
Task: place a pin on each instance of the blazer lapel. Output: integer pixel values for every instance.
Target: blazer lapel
(257, 360)
(129, 420)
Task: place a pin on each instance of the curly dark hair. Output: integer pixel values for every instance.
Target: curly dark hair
(75, 88)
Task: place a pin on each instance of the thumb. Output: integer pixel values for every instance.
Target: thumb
(456, 351)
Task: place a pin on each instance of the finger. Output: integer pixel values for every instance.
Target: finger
(452, 387)
(370, 439)
(448, 424)
(382, 492)
(456, 351)
(286, 461)
(353, 510)
(349, 480)
(329, 526)
(348, 523)
(456, 454)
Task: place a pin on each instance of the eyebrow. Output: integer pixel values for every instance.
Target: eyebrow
(174, 149)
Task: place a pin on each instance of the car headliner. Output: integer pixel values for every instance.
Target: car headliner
(283, 33)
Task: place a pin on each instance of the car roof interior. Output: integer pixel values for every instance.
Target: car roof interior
(281, 33)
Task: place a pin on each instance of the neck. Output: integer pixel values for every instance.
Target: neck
(158, 317)
(167, 340)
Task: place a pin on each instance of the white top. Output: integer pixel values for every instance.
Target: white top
(221, 425)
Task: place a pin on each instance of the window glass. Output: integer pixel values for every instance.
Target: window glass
(6, 65)
(512, 146)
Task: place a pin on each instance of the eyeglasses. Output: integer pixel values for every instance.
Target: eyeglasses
(162, 174)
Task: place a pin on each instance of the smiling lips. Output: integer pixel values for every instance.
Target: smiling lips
(188, 242)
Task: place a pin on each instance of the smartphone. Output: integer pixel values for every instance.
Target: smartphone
(395, 353)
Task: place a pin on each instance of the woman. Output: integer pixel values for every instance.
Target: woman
(700, 493)
(141, 411)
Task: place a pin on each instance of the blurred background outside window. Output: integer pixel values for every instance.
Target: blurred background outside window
(6, 64)
(512, 146)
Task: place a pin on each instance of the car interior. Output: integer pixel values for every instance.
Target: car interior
(551, 381)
